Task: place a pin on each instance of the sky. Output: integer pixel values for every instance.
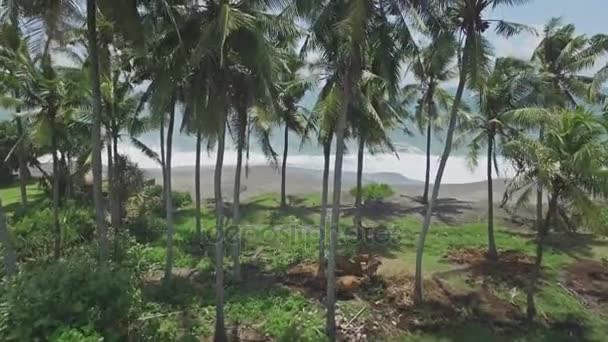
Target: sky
(589, 17)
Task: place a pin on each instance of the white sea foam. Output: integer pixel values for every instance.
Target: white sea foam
(409, 165)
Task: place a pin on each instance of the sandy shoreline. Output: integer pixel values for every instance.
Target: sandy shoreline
(266, 179)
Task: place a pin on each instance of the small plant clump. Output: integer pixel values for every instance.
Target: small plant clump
(375, 192)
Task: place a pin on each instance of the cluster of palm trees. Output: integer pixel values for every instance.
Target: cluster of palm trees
(243, 67)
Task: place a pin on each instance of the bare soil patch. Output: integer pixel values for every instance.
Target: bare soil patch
(351, 275)
(589, 280)
(512, 267)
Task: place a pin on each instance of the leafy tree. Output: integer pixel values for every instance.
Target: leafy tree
(571, 163)
(294, 87)
(343, 31)
(562, 57)
(509, 86)
(466, 18)
(96, 130)
(431, 67)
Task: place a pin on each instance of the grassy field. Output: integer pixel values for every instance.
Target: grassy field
(277, 239)
(484, 302)
(11, 195)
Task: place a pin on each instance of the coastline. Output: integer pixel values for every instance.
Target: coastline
(266, 179)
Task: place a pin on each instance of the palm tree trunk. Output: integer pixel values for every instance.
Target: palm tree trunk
(10, 258)
(220, 328)
(168, 197)
(358, 206)
(539, 190)
(247, 154)
(56, 199)
(236, 217)
(116, 207)
(429, 209)
(23, 171)
(284, 167)
(197, 186)
(69, 182)
(335, 221)
(492, 252)
(96, 132)
(540, 240)
(427, 178)
(325, 190)
(162, 154)
(110, 170)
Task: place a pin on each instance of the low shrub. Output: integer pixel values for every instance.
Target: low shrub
(48, 301)
(33, 229)
(181, 199)
(147, 228)
(86, 334)
(374, 192)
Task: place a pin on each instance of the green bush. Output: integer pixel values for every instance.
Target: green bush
(181, 199)
(86, 334)
(148, 228)
(374, 192)
(33, 230)
(45, 302)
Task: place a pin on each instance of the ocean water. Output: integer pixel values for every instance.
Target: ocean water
(408, 161)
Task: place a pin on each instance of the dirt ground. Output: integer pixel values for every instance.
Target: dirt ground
(588, 279)
(512, 268)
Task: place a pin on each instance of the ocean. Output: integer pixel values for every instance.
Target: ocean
(408, 161)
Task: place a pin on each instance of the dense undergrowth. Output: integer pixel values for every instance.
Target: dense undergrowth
(75, 299)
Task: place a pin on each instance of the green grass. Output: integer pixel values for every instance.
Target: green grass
(11, 195)
(275, 239)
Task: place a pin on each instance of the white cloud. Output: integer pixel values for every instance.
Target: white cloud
(520, 46)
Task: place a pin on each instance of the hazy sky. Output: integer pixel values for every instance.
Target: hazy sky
(589, 16)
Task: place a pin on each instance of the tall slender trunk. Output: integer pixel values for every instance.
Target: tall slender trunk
(358, 204)
(284, 167)
(168, 197)
(236, 205)
(96, 132)
(110, 170)
(56, 197)
(427, 177)
(23, 172)
(69, 182)
(197, 185)
(335, 221)
(429, 208)
(163, 155)
(220, 328)
(540, 240)
(116, 210)
(492, 252)
(539, 190)
(325, 190)
(10, 258)
(247, 154)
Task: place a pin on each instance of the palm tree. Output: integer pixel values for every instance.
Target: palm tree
(372, 121)
(562, 57)
(509, 86)
(12, 11)
(50, 101)
(571, 163)
(348, 27)
(466, 19)
(294, 88)
(322, 121)
(96, 131)
(431, 67)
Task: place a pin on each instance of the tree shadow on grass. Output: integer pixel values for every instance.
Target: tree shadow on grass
(576, 245)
